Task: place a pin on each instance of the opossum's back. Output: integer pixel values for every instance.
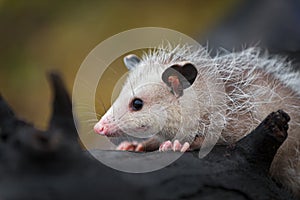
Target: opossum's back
(256, 86)
(268, 94)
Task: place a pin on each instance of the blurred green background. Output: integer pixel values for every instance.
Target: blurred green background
(41, 35)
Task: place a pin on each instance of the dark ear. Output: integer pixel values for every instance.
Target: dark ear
(180, 77)
(131, 61)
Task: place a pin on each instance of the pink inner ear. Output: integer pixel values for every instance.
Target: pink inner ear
(175, 85)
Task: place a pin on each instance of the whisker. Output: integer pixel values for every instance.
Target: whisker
(85, 83)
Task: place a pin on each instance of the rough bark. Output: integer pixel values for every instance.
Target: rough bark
(49, 164)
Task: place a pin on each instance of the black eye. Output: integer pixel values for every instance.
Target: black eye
(137, 104)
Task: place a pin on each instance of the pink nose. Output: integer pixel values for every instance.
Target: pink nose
(100, 128)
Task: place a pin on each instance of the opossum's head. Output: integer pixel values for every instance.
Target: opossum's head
(149, 101)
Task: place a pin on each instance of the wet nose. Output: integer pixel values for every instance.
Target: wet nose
(99, 128)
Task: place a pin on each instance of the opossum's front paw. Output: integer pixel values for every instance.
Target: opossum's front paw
(130, 146)
(175, 146)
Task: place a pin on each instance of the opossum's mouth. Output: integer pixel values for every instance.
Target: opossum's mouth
(107, 130)
(110, 134)
(120, 133)
(113, 134)
(111, 130)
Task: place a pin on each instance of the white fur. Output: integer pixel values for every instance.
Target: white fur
(255, 83)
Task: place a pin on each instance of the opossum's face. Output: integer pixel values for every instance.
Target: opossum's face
(148, 100)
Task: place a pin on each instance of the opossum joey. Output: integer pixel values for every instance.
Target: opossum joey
(177, 97)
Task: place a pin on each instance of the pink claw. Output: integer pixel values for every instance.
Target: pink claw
(130, 146)
(139, 148)
(166, 146)
(177, 146)
(127, 146)
(185, 147)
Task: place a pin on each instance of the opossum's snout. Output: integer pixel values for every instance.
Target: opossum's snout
(105, 127)
(100, 129)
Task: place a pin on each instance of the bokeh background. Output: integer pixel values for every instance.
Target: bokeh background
(38, 36)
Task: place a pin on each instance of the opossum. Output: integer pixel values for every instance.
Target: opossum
(178, 96)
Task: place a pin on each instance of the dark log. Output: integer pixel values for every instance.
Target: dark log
(62, 117)
(49, 164)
